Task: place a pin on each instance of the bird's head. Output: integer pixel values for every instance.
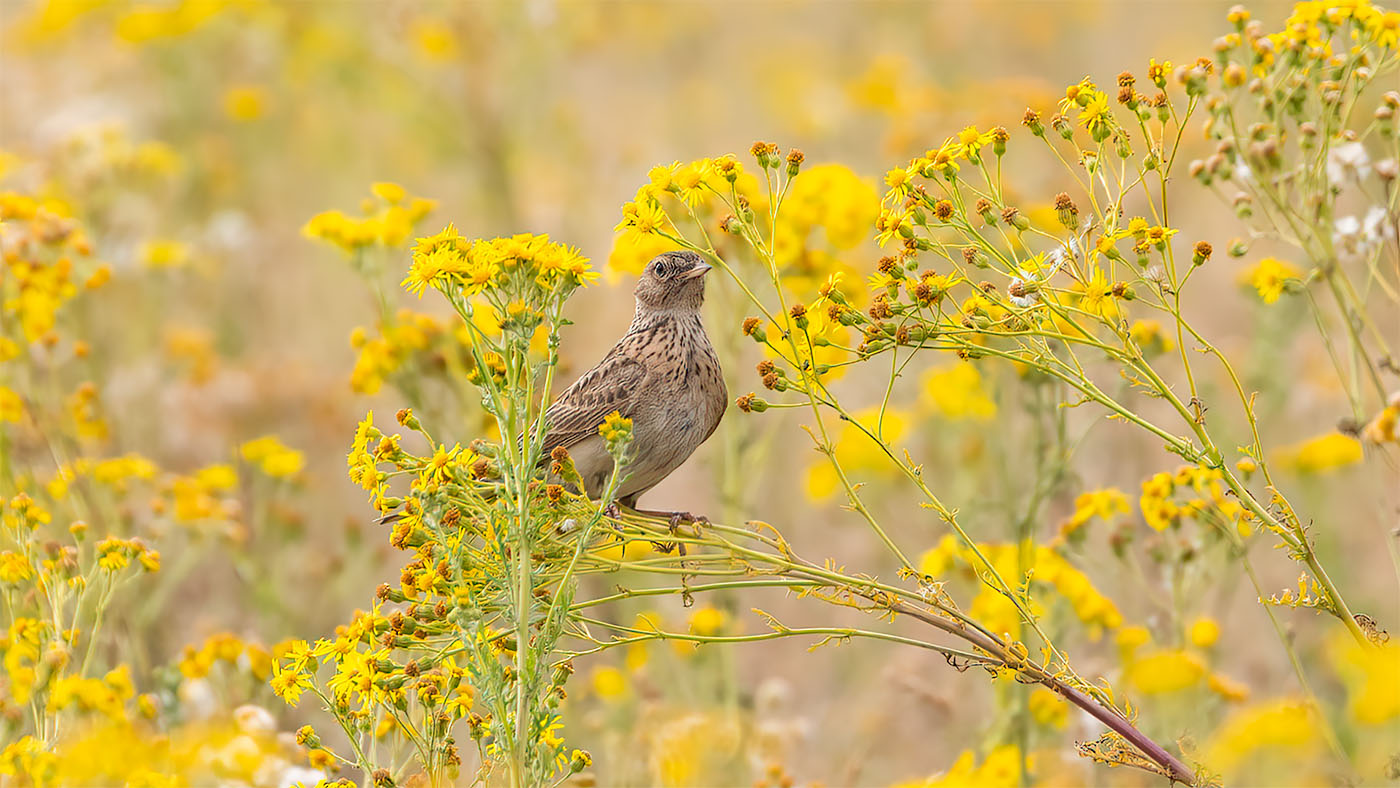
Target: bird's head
(673, 281)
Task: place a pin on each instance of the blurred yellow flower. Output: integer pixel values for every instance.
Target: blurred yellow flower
(272, 457)
(11, 405)
(1048, 708)
(1130, 639)
(435, 39)
(1096, 611)
(1269, 277)
(632, 251)
(828, 197)
(1321, 454)
(609, 683)
(1166, 670)
(956, 393)
(707, 621)
(245, 103)
(1104, 504)
(164, 253)
(1150, 337)
(1372, 677)
(1272, 727)
(1227, 688)
(856, 451)
(1384, 428)
(1203, 632)
(150, 22)
(1000, 769)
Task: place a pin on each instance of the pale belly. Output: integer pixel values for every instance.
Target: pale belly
(661, 442)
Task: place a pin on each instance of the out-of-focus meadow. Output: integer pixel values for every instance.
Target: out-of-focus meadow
(182, 375)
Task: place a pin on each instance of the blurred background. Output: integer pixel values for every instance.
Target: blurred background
(197, 139)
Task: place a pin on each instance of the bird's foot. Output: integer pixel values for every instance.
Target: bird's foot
(677, 519)
(612, 511)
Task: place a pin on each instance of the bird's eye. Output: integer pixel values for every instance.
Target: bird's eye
(661, 270)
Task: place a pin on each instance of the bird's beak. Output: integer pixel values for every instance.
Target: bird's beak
(698, 271)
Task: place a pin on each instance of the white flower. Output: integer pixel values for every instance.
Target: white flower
(1059, 257)
(1355, 238)
(1025, 299)
(1348, 160)
(254, 720)
(1375, 228)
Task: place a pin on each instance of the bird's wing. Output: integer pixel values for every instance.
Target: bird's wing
(579, 410)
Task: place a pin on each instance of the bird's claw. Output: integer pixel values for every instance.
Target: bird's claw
(680, 518)
(612, 512)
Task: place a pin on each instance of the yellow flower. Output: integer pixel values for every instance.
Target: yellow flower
(632, 251)
(114, 554)
(1048, 708)
(609, 683)
(707, 621)
(436, 40)
(1384, 428)
(387, 222)
(289, 683)
(1322, 454)
(244, 103)
(388, 192)
(1103, 504)
(1269, 277)
(558, 264)
(1130, 639)
(615, 427)
(1149, 337)
(1279, 726)
(164, 253)
(217, 477)
(1372, 677)
(856, 451)
(956, 393)
(1096, 117)
(14, 568)
(1096, 296)
(643, 218)
(1157, 507)
(361, 461)
(831, 198)
(1203, 633)
(1227, 688)
(272, 457)
(1001, 769)
(1165, 671)
(11, 405)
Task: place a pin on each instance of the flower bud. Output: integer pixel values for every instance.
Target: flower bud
(794, 162)
(1201, 253)
(751, 403)
(799, 316)
(1031, 120)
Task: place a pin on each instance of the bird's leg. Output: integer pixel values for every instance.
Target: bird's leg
(676, 519)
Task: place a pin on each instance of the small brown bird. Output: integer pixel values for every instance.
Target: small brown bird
(663, 375)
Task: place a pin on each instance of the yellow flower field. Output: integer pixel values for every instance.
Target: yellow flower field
(1061, 345)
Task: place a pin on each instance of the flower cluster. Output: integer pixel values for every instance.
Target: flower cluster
(387, 219)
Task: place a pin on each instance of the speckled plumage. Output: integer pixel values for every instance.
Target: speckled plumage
(663, 375)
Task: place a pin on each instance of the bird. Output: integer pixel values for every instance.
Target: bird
(663, 374)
